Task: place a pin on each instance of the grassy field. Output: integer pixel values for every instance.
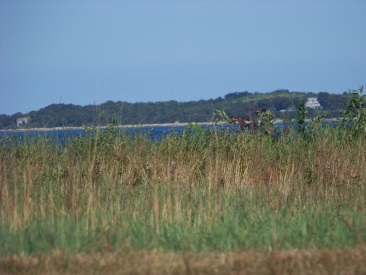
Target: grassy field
(196, 202)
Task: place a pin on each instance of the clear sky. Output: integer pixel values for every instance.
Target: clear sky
(86, 52)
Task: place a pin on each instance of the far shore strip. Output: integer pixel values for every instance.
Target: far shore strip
(176, 124)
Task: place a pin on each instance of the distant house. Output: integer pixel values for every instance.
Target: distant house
(21, 121)
(312, 103)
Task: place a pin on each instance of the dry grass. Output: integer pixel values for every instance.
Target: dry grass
(335, 261)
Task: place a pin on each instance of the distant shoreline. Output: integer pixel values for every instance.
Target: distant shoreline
(175, 124)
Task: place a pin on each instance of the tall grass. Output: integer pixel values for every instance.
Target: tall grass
(200, 190)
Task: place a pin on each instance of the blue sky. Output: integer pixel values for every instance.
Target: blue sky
(86, 52)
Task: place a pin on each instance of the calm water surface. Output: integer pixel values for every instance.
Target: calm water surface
(62, 135)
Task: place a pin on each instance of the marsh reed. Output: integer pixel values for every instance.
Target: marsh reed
(199, 191)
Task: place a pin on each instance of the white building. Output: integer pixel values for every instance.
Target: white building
(21, 121)
(313, 103)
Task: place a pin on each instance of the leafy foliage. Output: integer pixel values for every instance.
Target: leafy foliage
(301, 114)
(354, 116)
(262, 122)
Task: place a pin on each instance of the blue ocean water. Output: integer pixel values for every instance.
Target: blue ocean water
(64, 135)
(153, 132)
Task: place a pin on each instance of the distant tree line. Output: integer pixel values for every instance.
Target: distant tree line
(281, 102)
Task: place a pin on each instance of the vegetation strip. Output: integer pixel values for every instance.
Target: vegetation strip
(282, 103)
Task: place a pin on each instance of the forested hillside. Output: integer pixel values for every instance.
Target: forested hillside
(281, 102)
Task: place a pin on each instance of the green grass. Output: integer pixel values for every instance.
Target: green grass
(172, 219)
